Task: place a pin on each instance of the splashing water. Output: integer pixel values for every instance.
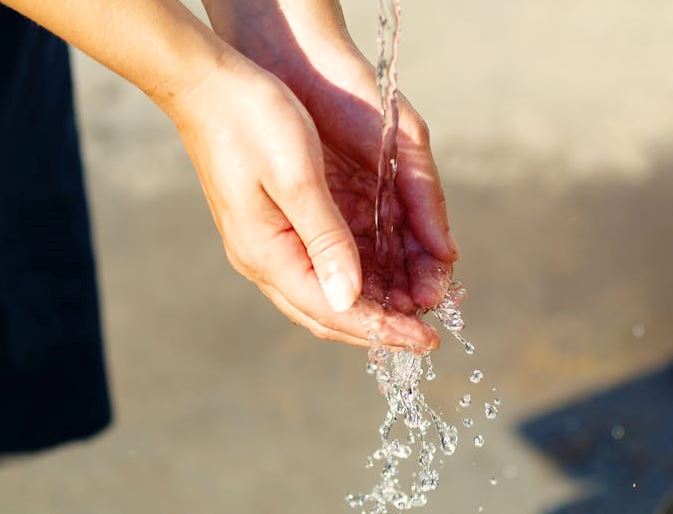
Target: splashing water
(490, 411)
(476, 376)
(400, 373)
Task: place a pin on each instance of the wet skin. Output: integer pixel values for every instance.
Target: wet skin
(337, 86)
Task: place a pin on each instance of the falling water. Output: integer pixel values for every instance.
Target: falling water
(386, 78)
(399, 374)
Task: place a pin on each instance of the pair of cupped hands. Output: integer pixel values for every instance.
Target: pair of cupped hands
(285, 138)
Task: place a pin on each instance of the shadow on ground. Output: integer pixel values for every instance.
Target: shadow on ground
(618, 441)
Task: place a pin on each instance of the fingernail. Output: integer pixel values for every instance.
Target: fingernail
(339, 291)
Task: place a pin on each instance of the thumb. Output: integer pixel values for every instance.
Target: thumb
(308, 205)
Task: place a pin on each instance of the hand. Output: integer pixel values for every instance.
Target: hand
(305, 43)
(262, 168)
(257, 153)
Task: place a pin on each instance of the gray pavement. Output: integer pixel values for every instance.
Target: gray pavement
(551, 123)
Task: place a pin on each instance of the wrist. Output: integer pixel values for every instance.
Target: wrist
(192, 65)
(290, 38)
(253, 26)
(221, 94)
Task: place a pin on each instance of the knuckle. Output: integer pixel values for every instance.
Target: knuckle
(244, 265)
(241, 268)
(320, 331)
(420, 131)
(327, 243)
(299, 182)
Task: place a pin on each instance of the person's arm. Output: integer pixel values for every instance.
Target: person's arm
(256, 151)
(158, 45)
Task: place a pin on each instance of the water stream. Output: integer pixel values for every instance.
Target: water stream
(412, 431)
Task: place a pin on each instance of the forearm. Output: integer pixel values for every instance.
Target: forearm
(235, 20)
(158, 45)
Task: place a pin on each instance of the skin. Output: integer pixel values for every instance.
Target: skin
(278, 113)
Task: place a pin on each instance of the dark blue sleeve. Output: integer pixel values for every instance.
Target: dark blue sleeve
(52, 374)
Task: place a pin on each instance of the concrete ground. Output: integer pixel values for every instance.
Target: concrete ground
(551, 122)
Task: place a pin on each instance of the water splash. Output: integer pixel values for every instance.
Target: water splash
(399, 374)
(476, 376)
(465, 400)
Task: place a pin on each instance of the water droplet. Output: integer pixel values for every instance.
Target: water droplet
(370, 463)
(468, 422)
(634, 485)
(378, 354)
(371, 368)
(400, 501)
(476, 376)
(469, 348)
(493, 481)
(638, 330)
(418, 500)
(496, 402)
(456, 293)
(380, 454)
(480, 509)
(355, 500)
(448, 439)
(490, 411)
(430, 373)
(450, 318)
(618, 432)
(426, 457)
(479, 441)
(401, 451)
(428, 480)
(465, 400)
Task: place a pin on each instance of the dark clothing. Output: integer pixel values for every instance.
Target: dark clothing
(52, 374)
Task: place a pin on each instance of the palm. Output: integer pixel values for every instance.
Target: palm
(337, 87)
(350, 133)
(353, 187)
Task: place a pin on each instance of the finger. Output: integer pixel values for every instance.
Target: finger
(269, 251)
(317, 329)
(398, 291)
(419, 187)
(302, 195)
(290, 273)
(429, 277)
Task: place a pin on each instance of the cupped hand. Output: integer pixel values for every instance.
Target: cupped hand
(307, 46)
(265, 175)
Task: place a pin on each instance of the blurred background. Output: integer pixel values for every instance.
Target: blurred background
(552, 123)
